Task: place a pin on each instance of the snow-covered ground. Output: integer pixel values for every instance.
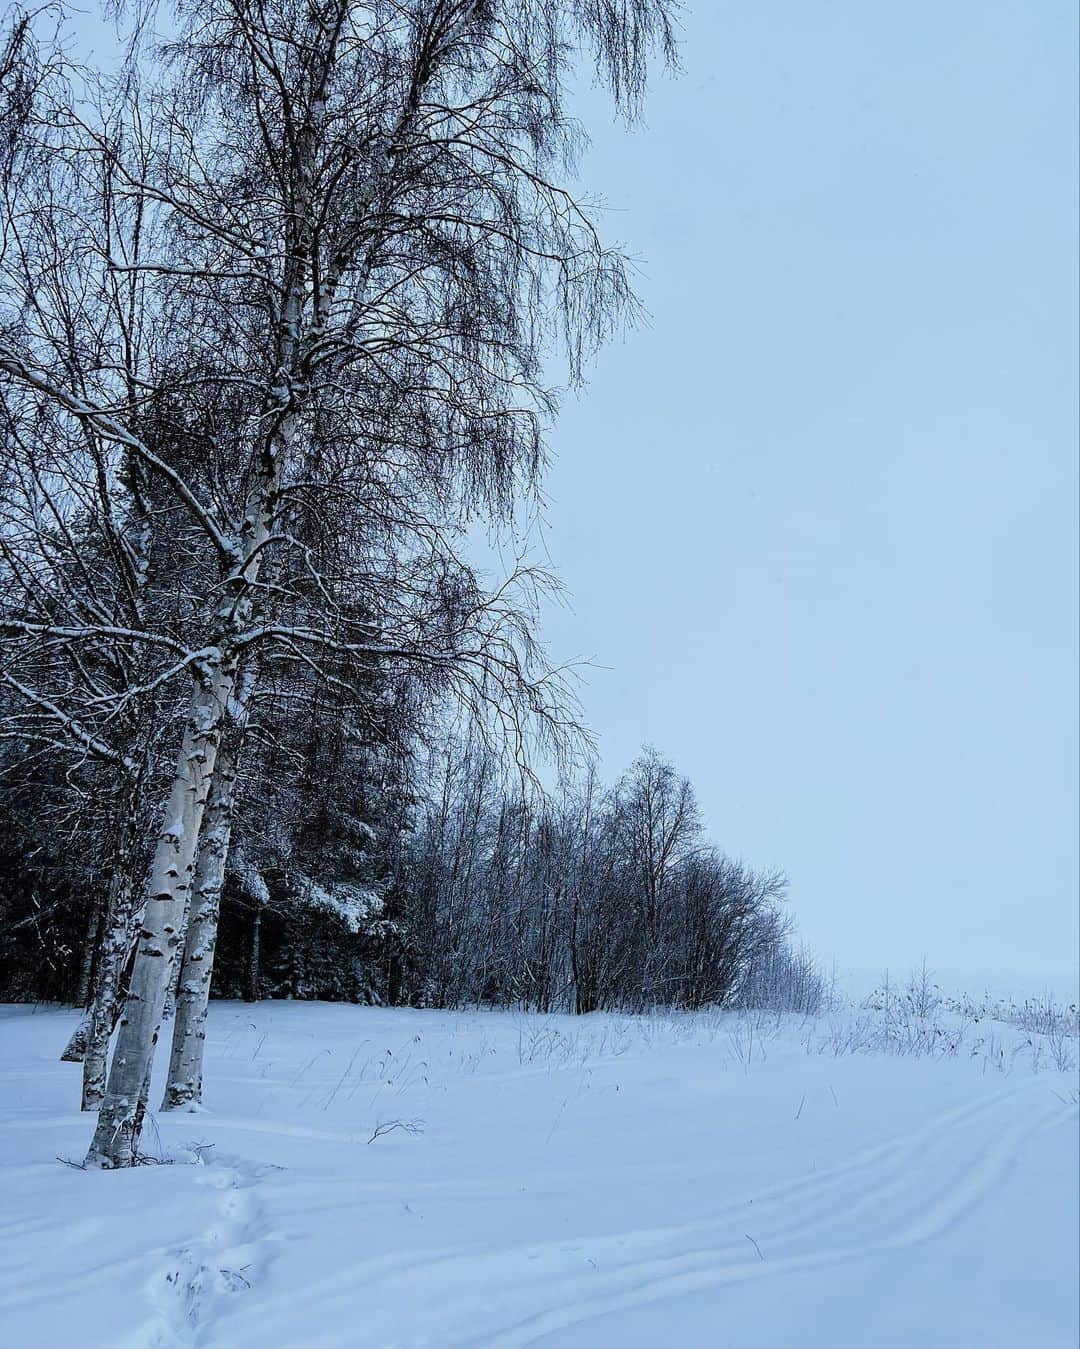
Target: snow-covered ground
(400, 1178)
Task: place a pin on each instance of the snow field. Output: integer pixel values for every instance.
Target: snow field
(397, 1179)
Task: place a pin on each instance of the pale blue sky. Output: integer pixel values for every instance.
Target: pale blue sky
(820, 518)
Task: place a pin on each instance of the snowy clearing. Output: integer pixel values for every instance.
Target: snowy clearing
(402, 1178)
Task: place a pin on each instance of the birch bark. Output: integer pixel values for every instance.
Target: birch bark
(75, 1049)
(76, 1046)
(114, 953)
(89, 1045)
(183, 1088)
(115, 1141)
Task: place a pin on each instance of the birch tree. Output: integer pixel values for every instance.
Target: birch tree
(359, 248)
(184, 1082)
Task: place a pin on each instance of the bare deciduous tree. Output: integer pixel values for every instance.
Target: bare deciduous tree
(333, 245)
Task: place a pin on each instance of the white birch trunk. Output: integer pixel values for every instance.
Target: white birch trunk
(114, 953)
(76, 1046)
(251, 990)
(116, 1138)
(90, 944)
(183, 1088)
(89, 1045)
(75, 1049)
(173, 986)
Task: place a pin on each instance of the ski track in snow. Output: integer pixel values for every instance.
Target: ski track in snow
(900, 1193)
(701, 1268)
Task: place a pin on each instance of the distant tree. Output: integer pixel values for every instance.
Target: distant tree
(658, 823)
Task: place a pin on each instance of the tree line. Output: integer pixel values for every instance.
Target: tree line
(278, 292)
(450, 887)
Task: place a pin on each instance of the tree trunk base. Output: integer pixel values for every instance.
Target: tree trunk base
(76, 1046)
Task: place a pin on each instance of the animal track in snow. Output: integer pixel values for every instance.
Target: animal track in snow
(188, 1292)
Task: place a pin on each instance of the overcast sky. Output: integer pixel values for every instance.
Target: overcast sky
(819, 520)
